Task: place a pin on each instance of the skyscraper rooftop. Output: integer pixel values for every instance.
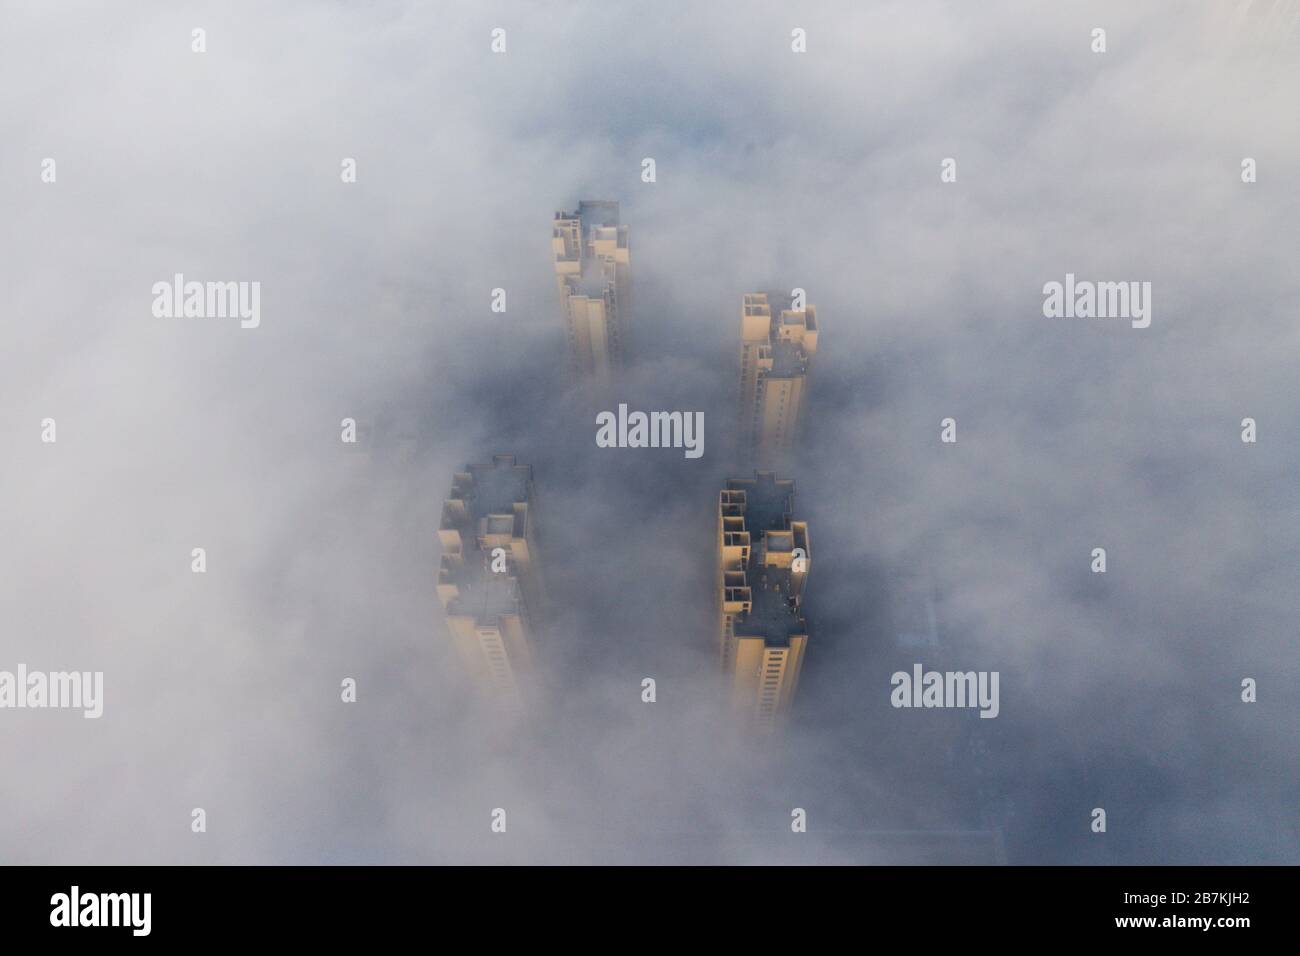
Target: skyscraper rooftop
(768, 503)
(593, 276)
(593, 212)
(489, 499)
(767, 507)
(773, 615)
(491, 492)
(763, 561)
(777, 345)
(488, 580)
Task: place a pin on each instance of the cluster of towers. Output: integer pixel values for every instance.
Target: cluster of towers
(489, 580)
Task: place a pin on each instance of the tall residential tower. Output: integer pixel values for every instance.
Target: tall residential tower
(775, 357)
(488, 579)
(593, 272)
(763, 560)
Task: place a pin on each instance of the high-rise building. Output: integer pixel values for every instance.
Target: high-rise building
(488, 579)
(593, 272)
(775, 357)
(763, 561)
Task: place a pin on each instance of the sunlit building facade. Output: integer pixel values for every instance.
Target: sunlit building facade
(489, 581)
(764, 556)
(593, 273)
(776, 354)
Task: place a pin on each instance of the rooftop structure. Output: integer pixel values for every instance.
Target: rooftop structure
(488, 579)
(764, 556)
(593, 275)
(776, 352)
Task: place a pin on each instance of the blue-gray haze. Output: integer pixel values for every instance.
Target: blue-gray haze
(774, 170)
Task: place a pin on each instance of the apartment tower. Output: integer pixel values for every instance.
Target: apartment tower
(763, 561)
(776, 354)
(488, 579)
(593, 273)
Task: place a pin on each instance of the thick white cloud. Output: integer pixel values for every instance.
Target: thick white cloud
(818, 170)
